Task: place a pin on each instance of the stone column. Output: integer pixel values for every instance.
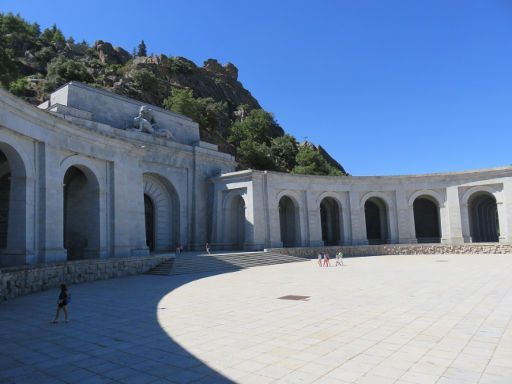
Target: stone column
(357, 220)
(405, 213)
(51, 206)
(455, 225)
(505, 212)
(315, 222)
(345, 220)
(273, 214)
(128, 213)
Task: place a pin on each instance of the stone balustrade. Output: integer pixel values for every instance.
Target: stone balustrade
(399, 249)
(21, 280)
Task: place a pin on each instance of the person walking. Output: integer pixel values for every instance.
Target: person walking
(319, 259)
(339, 258)
(62, 303)
(207, 248)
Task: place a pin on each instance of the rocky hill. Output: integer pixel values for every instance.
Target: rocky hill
(33, 63)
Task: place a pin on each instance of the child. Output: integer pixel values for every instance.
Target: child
(339, 258)
(62, 303)
(326, 259)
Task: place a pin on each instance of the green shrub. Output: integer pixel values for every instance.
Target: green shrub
(145, 80)
(61, 70)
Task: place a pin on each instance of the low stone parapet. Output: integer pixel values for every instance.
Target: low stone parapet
(18, 281)
(399, 249)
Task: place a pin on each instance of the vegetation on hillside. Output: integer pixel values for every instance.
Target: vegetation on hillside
(33, 63)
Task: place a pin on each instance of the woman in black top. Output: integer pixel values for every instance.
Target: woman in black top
(62, 303)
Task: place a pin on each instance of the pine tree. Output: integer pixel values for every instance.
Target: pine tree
(142, 49)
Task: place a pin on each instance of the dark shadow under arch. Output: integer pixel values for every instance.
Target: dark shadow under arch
(81, 214)
(13, 206)
(149, 214)
(377, 221)
(426, 220)
(289, 222)
(483, 218)
(165, 204)
(330, 219)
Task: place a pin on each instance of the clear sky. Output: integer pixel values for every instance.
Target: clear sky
(387, 87)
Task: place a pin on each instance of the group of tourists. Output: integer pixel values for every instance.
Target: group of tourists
(325, 261)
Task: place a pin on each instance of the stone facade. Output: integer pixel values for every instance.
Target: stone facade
(94, 175)
(18, 281)
(77, 177)
(308, 211)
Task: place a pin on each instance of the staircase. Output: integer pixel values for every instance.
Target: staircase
(225, 262)
(163, 269)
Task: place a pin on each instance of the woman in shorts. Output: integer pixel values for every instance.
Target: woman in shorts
(62, 303)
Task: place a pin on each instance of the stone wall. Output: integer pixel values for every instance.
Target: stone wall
(18, 281)
(399, 249)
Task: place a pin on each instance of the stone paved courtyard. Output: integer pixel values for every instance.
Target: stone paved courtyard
(394, 319)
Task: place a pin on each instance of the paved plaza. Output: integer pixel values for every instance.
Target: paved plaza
(389, 319)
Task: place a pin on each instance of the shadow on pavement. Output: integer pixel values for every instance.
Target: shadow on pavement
(113, 336)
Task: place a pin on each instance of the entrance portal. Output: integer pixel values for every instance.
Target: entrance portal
(376, 216)
(330, 221)
(149, 211)
(426, 220)
(81, 214)
(289, 222)
(483, 218)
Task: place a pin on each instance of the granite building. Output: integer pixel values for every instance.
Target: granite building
(91, 174)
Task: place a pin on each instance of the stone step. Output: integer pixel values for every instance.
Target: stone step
(187, 264)
(163, 269)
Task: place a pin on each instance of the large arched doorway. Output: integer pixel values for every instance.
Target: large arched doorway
(149, 213)
(81, 214)
(289, 222)
(377, 222)
(235, 225)
(330, 221)
(426, 220)
(162, 213)
(483, 218)
(13, 206)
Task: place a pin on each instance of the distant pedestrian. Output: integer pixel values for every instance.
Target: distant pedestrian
(178, 249)
(62, 303)
(339, 258)
(319, 259)
(207, 248)
(326, 259)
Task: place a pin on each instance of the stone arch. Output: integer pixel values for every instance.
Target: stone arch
(427, 224)
(376, 212)
(166, 212)
(331, 220)
(14, 207)
(235, 222)
(483, 217)
(478, 189)
(81, 212)
(289, 221)
(432, 195)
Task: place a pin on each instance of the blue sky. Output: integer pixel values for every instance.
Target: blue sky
(387, 87)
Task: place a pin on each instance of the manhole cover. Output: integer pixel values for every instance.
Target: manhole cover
(442, 261)
(294, 297)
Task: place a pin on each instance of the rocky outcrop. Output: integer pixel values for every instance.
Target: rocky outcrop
(33, 63)
(109, 55)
